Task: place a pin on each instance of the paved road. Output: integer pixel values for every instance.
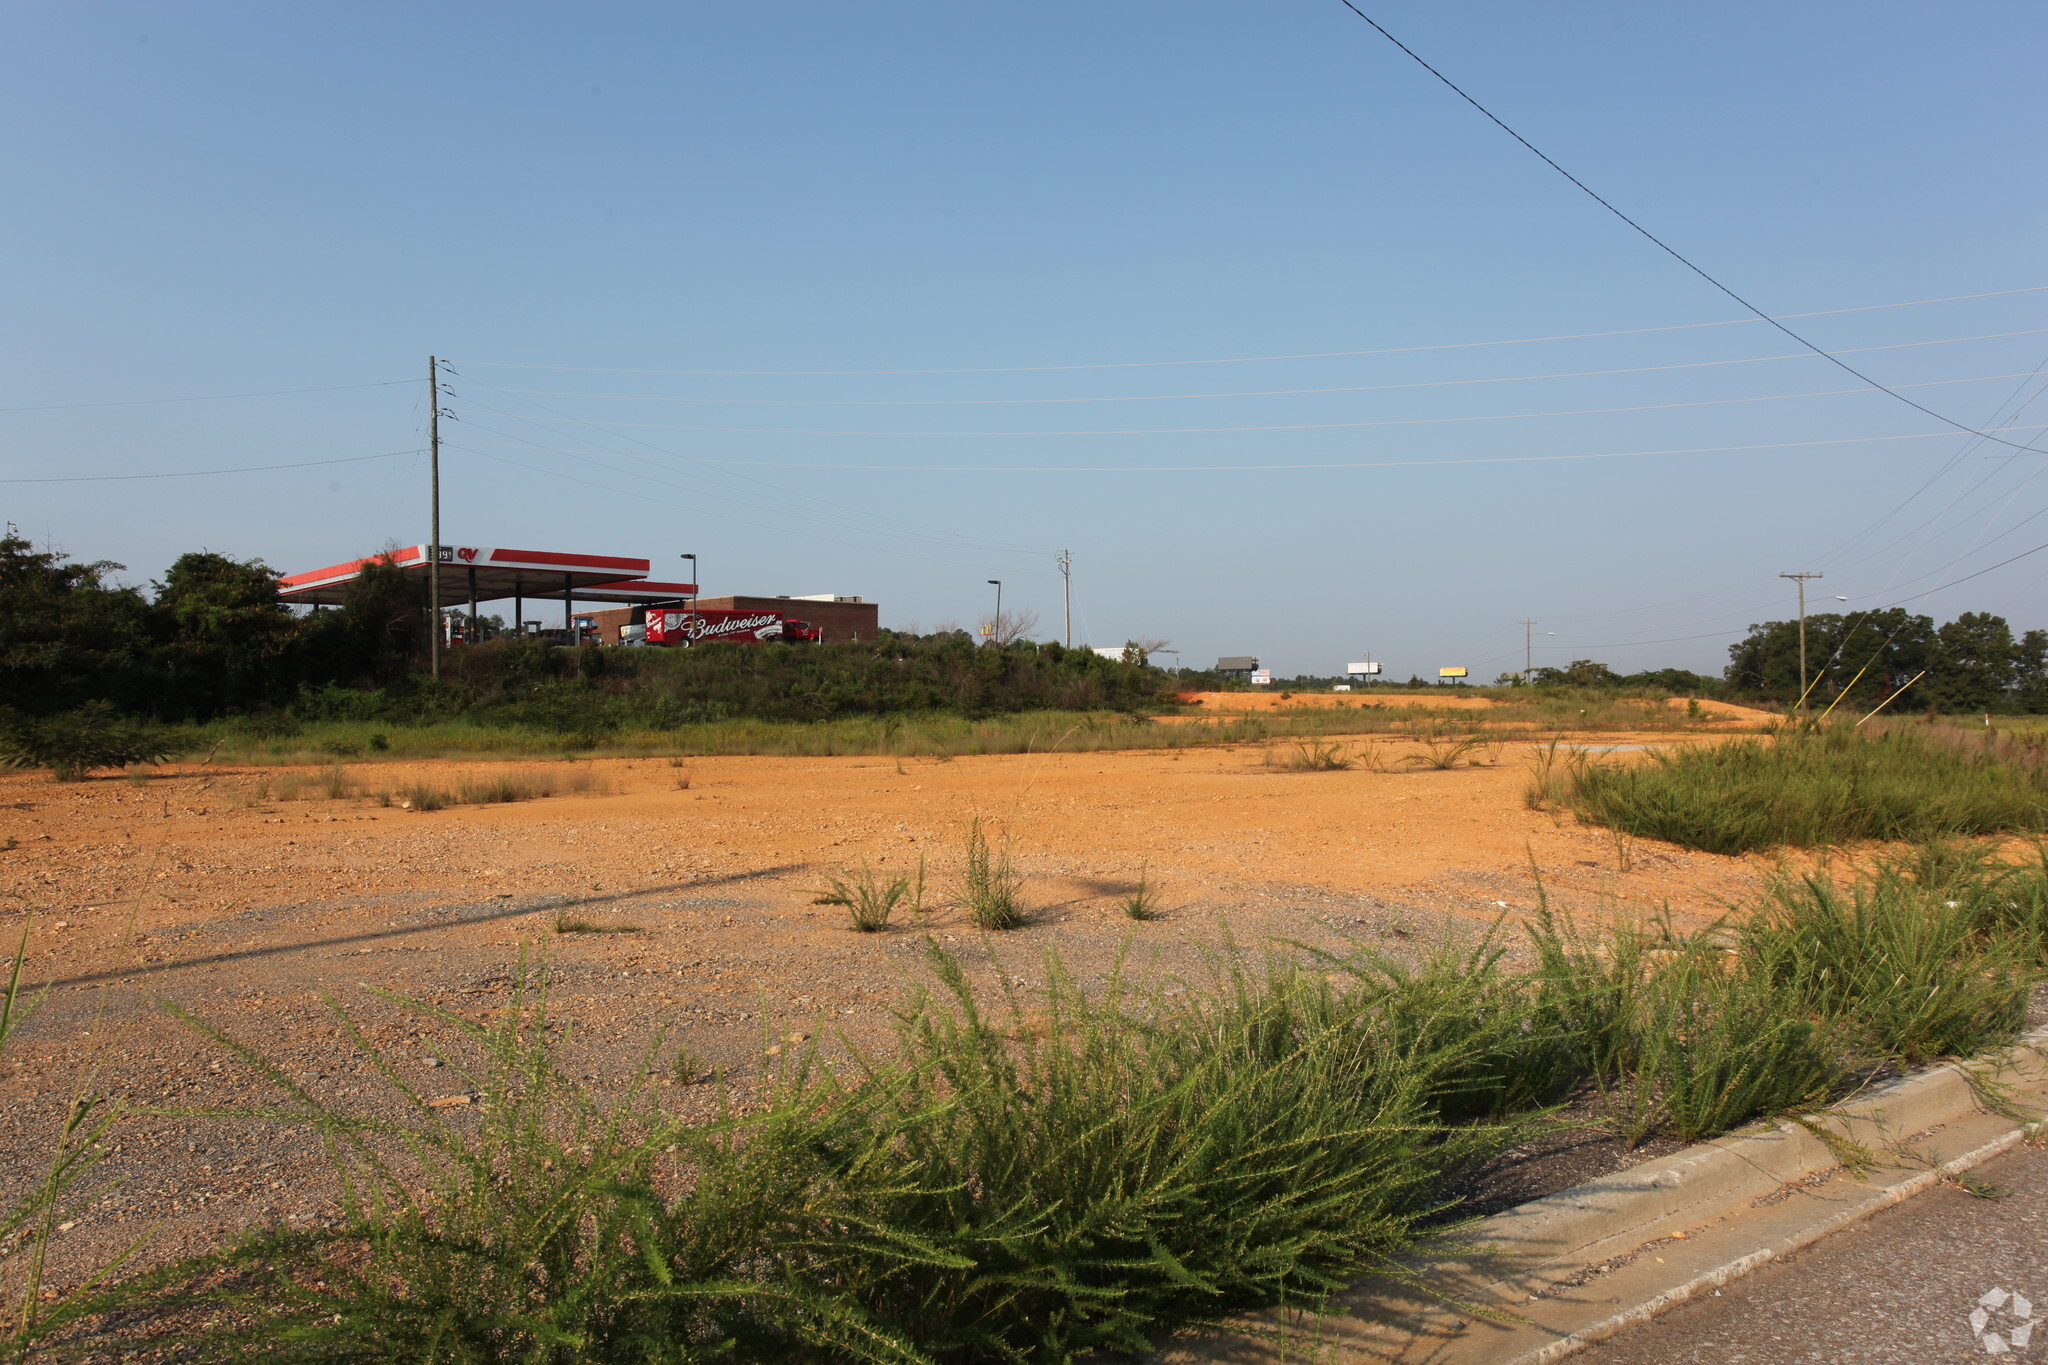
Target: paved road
(1896, 1289)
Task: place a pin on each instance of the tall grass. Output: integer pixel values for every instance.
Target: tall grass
(979, 1192)
(1078, 1170)
(1914, 973)
(1831, 786)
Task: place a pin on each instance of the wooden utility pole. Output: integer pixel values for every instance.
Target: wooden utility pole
(1066, 563)
(1800, 579)
(434, 538)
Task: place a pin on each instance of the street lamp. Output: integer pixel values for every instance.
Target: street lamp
(996, 623)
(695, 586)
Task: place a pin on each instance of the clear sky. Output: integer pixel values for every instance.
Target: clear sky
(976, 233)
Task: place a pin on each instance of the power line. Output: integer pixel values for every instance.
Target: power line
(779, 493)
(687, 507)
(1253, 359)
(1248, 393)
(1275, 426)
(205, 397)
(948, 540)
(1654, 239)
(1278, 468)
(202, 473)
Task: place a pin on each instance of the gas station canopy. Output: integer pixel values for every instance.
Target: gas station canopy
(472, 574)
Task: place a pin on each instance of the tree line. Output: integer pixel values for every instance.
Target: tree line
(213, 639)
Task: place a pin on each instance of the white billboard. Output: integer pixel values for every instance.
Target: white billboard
(1262, 677)
(1361, 670)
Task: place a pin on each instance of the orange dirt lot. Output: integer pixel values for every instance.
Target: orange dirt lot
(195, 889)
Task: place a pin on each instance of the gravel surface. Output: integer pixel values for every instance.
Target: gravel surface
(1896, 1289)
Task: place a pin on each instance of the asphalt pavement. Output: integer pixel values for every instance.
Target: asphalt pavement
(1899, 1288)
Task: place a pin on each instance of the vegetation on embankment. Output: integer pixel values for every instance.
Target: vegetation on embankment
(1812, 787)
(1032, 1177)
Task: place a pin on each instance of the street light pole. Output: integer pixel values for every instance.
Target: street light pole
(1528, 648)
(1800, 579)
(995, 624)
(434, 532)
(1066, 563)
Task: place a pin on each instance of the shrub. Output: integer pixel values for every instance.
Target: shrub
(73, 743)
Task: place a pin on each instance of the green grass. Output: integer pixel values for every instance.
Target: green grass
(1037, 1177)
(1905, 782)
(929, 734)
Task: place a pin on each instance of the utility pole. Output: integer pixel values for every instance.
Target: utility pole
(1800, 579)
(995, 625)
(434, 540)
(1066, 563)
(1528, 648)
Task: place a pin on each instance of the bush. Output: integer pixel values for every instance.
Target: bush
(1904, 963)
(74, 743)
(1808, 788)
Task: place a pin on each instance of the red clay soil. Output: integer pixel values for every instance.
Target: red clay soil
(250, 912)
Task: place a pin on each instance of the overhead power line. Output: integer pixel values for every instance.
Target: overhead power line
(202, 473)
(1659, 242)
(1246, 393)
(1277, 426)
(1274, 468)
(205, 397)
(1302, 355)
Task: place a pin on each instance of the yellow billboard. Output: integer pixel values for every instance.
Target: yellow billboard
(1450, 672)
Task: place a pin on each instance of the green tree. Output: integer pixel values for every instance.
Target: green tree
(67, 636)
(1868, 655)
(1975, 664)
(2030, 672)
(233, 643)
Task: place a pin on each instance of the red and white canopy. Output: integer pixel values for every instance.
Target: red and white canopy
(471, 572)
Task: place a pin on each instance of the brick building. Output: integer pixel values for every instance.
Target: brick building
(837, 618)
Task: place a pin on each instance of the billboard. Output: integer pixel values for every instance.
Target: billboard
(1363, 669)
(1450, 672)
(1262, 677)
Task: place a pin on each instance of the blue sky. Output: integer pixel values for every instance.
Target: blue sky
(979, 209)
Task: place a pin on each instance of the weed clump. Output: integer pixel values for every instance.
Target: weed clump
(990, 883)
(1142, 901)
(571, 924)
(1312, 756)
(1811, 788)
(870, 899)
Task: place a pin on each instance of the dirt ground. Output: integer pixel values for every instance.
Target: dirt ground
(1435, 699)
(194, 889)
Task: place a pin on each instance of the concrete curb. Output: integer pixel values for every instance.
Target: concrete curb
(1652, 1237)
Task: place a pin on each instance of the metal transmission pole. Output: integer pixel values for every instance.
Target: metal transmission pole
(434, 539)
(1528, 648)
(1800, 579)
(1066, 563)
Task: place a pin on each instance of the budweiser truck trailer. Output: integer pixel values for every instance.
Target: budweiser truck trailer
(690, 626)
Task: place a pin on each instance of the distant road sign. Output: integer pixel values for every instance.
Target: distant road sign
(1451, 672)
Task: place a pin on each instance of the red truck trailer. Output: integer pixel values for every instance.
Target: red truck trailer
(691, 626)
